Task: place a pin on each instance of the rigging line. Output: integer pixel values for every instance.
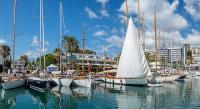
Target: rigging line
(63, 20)
(47, 8)
(9, 17)
(35, 2)
(32, 19)
(55, 33)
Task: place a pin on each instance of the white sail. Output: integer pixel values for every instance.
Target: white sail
(132, 63)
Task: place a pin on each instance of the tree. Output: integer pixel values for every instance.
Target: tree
(70, 45)
(25, 59)
(57, 54)
(87, 51)
(49, 58)
(149, 57)
(189, 56)
(5, 52)
(116, 59)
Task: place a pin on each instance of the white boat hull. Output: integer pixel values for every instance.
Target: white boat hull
(127, 81)
(63, 81)
(99, 79)
(165, 79)
(83, 82)
(13, 83)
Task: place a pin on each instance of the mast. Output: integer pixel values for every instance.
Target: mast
(83, 52)
(42, 50)
(155, 39)
(159, 43)
(126, 15)
(43, 37)
(14, 32)
(105, 58)
(40, 35)
(143, 31)
(171, 46)
(164, 51)
(139, 19)
(61, 35)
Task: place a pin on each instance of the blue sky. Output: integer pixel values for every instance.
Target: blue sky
(103, 22)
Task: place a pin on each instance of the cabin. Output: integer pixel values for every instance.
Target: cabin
(20, 65)
(52, 68)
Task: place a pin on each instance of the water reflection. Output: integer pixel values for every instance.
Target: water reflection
(184, 94)
(9, 97)
(41, 97)
(81, 92)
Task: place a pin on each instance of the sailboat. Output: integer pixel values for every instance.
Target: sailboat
(61, 79)
(133, 66)
(83, 80)
(15, 79)
(40, 82)
(158, 78)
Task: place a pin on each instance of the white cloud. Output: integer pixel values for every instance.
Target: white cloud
(103, 11)
(91, 13)
(35, 41)
(114, 30)
(193, 8)
(32, 54)
(122, 18)
(166, 15)
(47, 43)
(115, 41)
(100, 33)
(177, 40)
(2, 41)
(193, 38)
(103, 2)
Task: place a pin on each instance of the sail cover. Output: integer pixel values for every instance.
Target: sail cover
(132, 63)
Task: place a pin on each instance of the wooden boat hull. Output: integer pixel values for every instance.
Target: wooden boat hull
(83, 82)
(127, 81)
(62, 81)
(10, 84)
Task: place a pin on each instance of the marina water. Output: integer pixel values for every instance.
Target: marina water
(179, 95)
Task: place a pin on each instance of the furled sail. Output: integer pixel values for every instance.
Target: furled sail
(132, 63)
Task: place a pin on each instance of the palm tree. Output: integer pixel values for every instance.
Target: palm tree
(70, 45)
(25, 59)
(57, 54)
(5, 52)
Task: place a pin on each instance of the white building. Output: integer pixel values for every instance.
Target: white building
(89, 59)
(195, 51)
(172, 55)
(19, 65)
(196, 59)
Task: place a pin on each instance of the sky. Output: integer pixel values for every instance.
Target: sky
(103, 22)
